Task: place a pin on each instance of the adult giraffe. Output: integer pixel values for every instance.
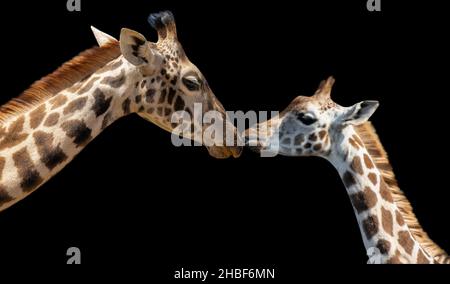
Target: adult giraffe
(42, 130)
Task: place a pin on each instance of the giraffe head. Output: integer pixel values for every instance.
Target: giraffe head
(311, 126)
(168, 82)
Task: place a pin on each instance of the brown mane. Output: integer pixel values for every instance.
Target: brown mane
(370, 138)
(65, 76)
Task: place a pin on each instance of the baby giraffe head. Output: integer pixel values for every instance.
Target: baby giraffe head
(168, 82)
(312, 126)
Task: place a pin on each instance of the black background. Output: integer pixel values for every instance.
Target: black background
(132, 198)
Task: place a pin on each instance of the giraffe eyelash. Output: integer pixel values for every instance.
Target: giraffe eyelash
(306, 118)
(191, 83)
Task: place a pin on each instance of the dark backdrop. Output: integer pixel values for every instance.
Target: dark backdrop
(132, 198)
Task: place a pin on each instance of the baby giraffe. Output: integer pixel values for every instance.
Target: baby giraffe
(317, 126)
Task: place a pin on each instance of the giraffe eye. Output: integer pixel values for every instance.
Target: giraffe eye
(306, 118)
(191, 83)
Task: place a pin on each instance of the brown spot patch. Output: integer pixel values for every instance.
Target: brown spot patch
(138, 99)
(101, 103)
(162, 96)
(286, 141)
(58, 101)
(399, 218)
(77, 130)
(364, 200)
(115, 82)
(421, 258)
(357, 166)
(317, 147)
(322, 134)
(126, 106)
(4, 196)
(75, 105)
(395, 259)
(384, 246)
(348, 179)
(368, 161)
(386, 220)
(150, 95)
(106, 120)
(313, 137)
(52, 119)
(171, 96)
(299, 139)
(179, 104)
(36, 116)
(14, 135)
(405, 240)
(50, 156)
(385, 192)
(28, 174)
(373, 178)
(370, 226)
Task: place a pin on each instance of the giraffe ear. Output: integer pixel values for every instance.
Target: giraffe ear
(135, 48)
(101, 37)
(359, 113)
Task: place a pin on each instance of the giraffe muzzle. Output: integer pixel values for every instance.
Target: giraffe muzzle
(224, 152)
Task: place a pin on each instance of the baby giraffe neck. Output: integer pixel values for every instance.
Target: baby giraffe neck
(40, 142)
(379, 219)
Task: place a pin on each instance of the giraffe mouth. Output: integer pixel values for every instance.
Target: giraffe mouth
(223, 152)
(218, 152)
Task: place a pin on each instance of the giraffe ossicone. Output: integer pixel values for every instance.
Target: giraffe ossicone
(317, 126)
(42, 130)
(102, 37)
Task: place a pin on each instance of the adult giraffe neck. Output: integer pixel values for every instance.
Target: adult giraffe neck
(39, 142)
